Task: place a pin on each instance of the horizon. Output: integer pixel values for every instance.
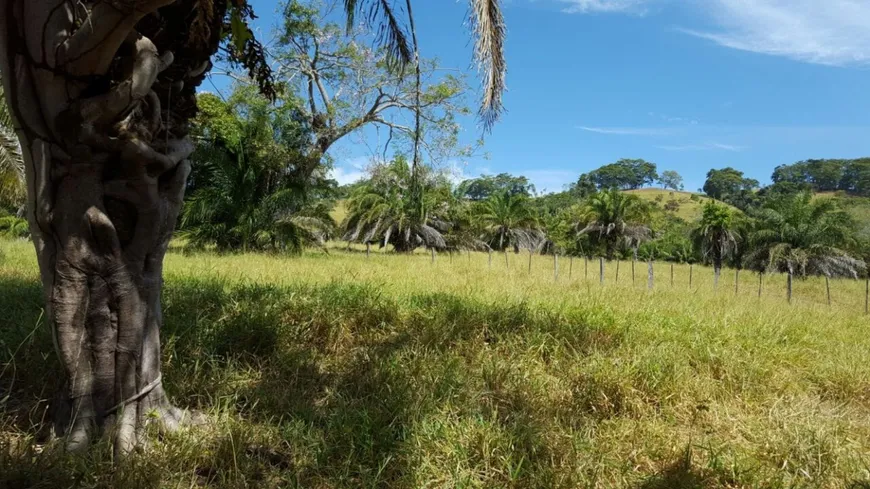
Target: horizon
(685, 86)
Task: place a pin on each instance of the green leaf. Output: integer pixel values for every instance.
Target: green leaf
(240, 31)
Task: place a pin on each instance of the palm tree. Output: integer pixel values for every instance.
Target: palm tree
(12, 188)
(615, 218)
(716, 235)
(242, 194)
(508, 221)
(386, 210)
(803, 235)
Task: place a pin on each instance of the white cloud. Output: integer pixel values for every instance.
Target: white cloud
(703, 147)
(605, 6)
(828, 32)
(628, 131)
(351, 171)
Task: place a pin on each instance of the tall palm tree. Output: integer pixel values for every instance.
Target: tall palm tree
(615, 218)
(508, 221)
(386, 210)
(716, 235)
(804, 235)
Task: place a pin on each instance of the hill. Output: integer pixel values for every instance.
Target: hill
(690, 204)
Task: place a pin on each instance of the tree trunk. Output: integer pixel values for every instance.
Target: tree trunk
(106, 173)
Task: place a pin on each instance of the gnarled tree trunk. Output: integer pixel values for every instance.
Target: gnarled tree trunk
(100, 92)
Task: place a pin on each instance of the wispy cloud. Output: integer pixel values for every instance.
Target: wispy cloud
(828, 32)
(711, 146)
(605, 6)
(628, 131)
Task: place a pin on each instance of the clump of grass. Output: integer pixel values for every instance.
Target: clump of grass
(343, 371)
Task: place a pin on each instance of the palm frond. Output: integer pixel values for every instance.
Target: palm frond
(489, 31)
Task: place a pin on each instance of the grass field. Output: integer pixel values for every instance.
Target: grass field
(337, 371)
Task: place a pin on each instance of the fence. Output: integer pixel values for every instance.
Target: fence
(849, 294)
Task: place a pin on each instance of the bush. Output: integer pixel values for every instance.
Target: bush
(672, 206)
(695, 197)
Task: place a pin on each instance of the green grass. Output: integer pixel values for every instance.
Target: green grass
(689, 210)
(337, 371)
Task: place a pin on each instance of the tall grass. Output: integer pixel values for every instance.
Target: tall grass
(329, 371)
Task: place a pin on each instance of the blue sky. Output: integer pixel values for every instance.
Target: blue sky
(688, 84)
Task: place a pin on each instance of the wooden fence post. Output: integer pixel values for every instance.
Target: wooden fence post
(490, 258)
(530, 261)
(737, 282)
(570, 267)
(789, 286)
(760, 283)
(691, 274)
(601, 271)
(585, 268)
(828, 289)
(368, 249)
(556, 267)
(617, 271)
(507, 264)
(632, 270)
(433, 254)
(651, 278)
(716, 272)
(450, 254)
(672, 274)
(867, 298)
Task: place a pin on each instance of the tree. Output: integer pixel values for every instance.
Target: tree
(101, 93)
(671, 180)
(489, 31)
(485, 186)
(345, 87)
(615, 218)
(624, 174)
(12, 189)
(729, 185)
(804, 235)
(716, 234)
(507, 221)
(384, 209)
(242, 195)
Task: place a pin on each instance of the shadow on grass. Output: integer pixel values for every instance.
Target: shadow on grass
(324, 386)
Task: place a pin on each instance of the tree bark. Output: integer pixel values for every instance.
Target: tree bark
(106, 173)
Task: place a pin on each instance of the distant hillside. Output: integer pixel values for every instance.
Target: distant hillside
(857, 207)
(689, 210)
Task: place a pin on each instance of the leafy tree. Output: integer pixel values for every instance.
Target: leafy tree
(671, 180)
(487, 25)
(856, 177)
(508, 221)
(242, 195)
(624, 174)
(384, 209)
(729, 185)
(583, 187)
(345, 87)
(615, 218)
(803, 235)
(485, 186)
(108, 88)
(716, 235)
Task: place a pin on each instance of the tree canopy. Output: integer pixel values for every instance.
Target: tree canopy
(625, 174)
(485, 186)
